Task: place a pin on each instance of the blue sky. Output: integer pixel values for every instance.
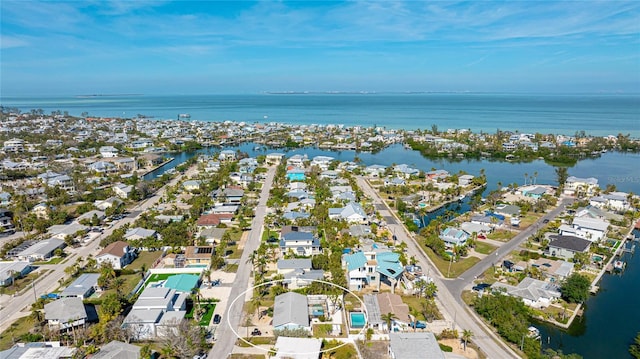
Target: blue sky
(157, 47)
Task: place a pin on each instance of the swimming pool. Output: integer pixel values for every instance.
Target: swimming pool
(357, 320)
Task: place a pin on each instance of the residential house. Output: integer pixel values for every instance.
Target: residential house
(371, 266)
(14, 145)
(453, 237)
(155, 308)
(298, 273)
(229, 195)
(352, 213)
(375, 170)
(108, 203)
(227, 155)
(213, 220)
(191, 185)
(465, 180)
(6, 221)
(5, 198)
(103, 167)
(65, 313)
(90, 216)
(41, 211)
(118, 254)
(509, 210)
(437, 175)
(297, 348)
(118, 350)
(322, 162)
(199, 255)
(140, 233)
(406, 171)
(592, 229)
(108, 152)
(392, 303)
(533, 292)
(297, 161)
(121, 190)
(10, 270)
(41, 250)
(395, 181)
(566, 247)
(274, 158)
(42, 350)
(575, 186)
(125, 164)
(62, 231)
(617, 201)
(212, 235)
(291, 311)
(83, 287)
(420, 345)
(535, 192)
(299, 241)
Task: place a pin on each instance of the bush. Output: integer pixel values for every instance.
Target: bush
(445, 348)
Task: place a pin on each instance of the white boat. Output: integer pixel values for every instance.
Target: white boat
(618, 265)
(184, 115)
(533, 332)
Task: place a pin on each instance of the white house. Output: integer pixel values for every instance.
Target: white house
(592, 229)
(108, 152)
(352, 213)
(454, 237)
(118, 254)
(574, 186)
(533, 292)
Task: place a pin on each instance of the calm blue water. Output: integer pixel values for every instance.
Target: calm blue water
(563, 114)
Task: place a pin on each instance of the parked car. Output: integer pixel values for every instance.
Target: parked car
(546, 220)
(481, 287)
(256, 332)
(418, 325)
(216, 319)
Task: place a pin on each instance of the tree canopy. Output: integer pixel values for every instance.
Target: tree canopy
(575, 288)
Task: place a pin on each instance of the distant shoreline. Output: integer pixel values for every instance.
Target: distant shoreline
(109, 95)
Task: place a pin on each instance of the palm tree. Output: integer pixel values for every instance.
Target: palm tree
(431, 290)
(388, 318)
(466, 337)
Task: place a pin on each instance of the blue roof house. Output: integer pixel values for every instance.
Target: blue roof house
(454, 237)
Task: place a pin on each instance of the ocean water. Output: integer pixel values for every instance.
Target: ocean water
(597, 115)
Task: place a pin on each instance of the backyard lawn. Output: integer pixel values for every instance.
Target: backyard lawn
(144, 258)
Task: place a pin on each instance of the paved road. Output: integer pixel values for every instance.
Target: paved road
(17, 307)
(490, 344)
(458, 285)
(226, 338)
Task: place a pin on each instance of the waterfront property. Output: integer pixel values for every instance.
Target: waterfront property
(566, 247)
(533, 292)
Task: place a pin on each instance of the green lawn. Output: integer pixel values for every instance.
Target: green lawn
(501, 235)
(157, 277)
(449, 270)
(206, 317)
(414, 302)
(257, 341)
(529, 219)
(484, 248)
(54, 260)
(146, 259)
(231, 268)
(15, 330)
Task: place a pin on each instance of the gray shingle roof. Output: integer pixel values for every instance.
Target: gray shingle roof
(290, 308)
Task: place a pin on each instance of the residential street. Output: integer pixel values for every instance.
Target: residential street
(226, 338)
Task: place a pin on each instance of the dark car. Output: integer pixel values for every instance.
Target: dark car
(480, 287)
(546, 220)
(256, 332)
(216, 319)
